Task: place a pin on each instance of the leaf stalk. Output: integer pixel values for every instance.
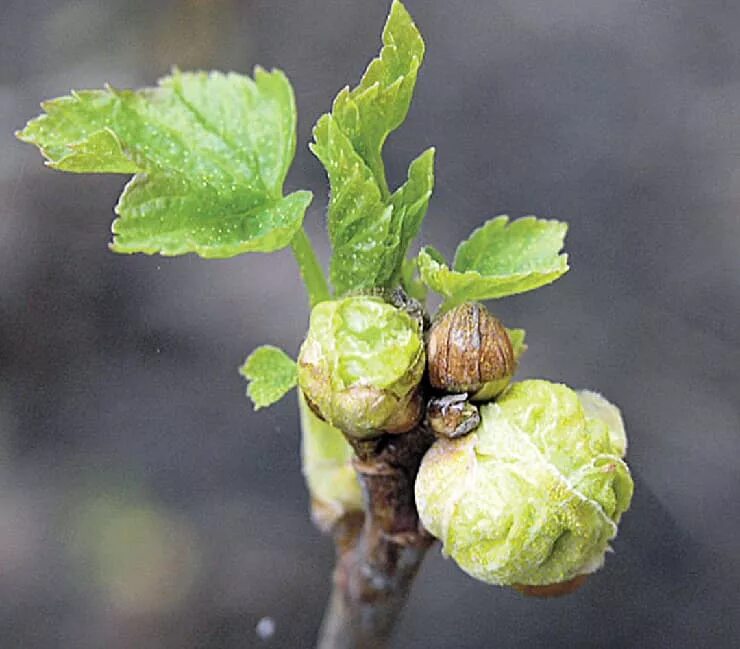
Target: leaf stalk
(310, 268)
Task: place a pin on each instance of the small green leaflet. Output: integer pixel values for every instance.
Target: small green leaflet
(370, 228)
(517, 336)
(500, 258)
(210, 153)
(271, 374)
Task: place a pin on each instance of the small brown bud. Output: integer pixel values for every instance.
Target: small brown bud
(452, 416)
(469, 350)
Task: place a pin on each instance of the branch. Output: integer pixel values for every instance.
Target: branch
(378, 554)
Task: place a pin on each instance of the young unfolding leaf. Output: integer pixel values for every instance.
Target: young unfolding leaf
(210, 153)
(271, 374)
(411, 283)
(370, 228)
(380, 103)
(500, 258)
(359, 221)
(410, 202)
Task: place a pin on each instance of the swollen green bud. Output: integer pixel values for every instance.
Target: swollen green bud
(327, 467)
(361, 365)
(533, 495)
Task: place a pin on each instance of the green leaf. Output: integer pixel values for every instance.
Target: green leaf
(410, 202)
(410, 281)
(359, 220)
(517, 336)
(500, 258)
(271, 374)
(210, 153)
(380, 103)
(370, 229)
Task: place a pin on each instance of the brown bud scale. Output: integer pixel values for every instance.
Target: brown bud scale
(468, 348)
(553, 590)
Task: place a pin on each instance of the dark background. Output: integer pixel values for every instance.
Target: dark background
(144, 505)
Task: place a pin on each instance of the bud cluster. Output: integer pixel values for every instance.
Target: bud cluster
(525, 484)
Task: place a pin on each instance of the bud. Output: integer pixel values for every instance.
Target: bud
(327, 466)
(452, 415)
(533, 495)
(361, 365)
(469, 350)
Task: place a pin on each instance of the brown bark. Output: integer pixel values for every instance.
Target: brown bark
(380, 551)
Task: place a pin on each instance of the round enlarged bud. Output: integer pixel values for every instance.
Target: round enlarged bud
(469, 350)
(361, 365)
(533, 495)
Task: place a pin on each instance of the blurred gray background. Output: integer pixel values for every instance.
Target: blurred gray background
(144, 505)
